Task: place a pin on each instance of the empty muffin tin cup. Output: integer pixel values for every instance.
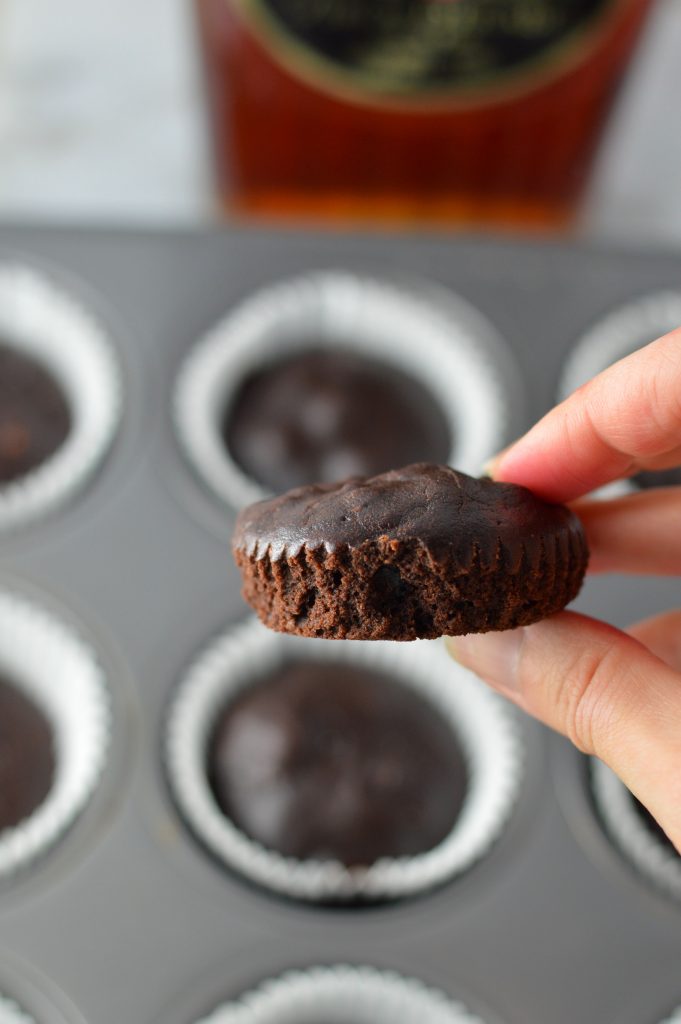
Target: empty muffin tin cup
(358, 995)
(484, 726)
(59, 673)
(612, 338)
(654, 858)
(10, 1013)
(44, 323)
(423, 331)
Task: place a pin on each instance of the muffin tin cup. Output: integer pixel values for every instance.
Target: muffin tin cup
(484, 725)
(611, 339)
(60, 674)
(425, 332)
(362, 995)
(10, 1013)
(650, 855)
(41, 321)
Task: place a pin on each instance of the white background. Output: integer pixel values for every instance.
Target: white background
(101, 120)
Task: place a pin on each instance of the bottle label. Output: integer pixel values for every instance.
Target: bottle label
(423, 49)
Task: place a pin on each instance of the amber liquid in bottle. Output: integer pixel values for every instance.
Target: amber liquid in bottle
(469, 111)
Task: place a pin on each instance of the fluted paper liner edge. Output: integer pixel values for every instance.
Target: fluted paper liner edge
(41, 320)
(363, 995)
(484, 725)
(60, 673)
(430, 334)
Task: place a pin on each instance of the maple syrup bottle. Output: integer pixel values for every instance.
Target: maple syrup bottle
(473, 111)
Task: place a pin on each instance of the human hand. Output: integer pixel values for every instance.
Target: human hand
(615, 694)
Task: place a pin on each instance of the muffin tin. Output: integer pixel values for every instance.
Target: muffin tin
(128, 918)
(634, 833)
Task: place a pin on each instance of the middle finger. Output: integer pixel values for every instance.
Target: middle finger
(640, 533)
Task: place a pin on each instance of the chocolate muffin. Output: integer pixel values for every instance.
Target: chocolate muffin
(26, 756)
(417, 552)
(322, 415)
(325, 760)
(34, 415)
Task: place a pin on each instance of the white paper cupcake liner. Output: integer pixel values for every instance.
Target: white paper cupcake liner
(435, 337)
(39, 319)
(60, 674)
(651, 856)
(10, 1013)
(675, 1017)
(356, 995)
(485, 727)
(615, 336)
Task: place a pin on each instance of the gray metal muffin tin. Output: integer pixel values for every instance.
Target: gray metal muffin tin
(128, 919)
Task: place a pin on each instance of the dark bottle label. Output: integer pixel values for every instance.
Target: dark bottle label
(426, 48)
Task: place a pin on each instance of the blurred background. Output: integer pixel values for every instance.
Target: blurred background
(103, 118)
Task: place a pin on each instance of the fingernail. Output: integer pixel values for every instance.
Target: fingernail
(492, 656)
(489, 467)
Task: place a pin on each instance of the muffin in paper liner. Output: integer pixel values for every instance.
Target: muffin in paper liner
(424, 331)
(617, 335)
(10, 1013)
(41, 321)
(60, 674)
(484, 726)
(348, 995)
(653, 858)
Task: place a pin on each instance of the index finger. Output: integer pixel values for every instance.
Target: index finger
(625, 418)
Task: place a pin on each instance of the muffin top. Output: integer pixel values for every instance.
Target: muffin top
(453, 515)
(335, 761)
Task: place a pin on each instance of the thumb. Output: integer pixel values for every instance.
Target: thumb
(603, 689)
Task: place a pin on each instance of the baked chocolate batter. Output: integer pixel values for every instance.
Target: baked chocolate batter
(34, 415)
(423, 551)
(332, 761)
(26, 756)
(320, 416)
